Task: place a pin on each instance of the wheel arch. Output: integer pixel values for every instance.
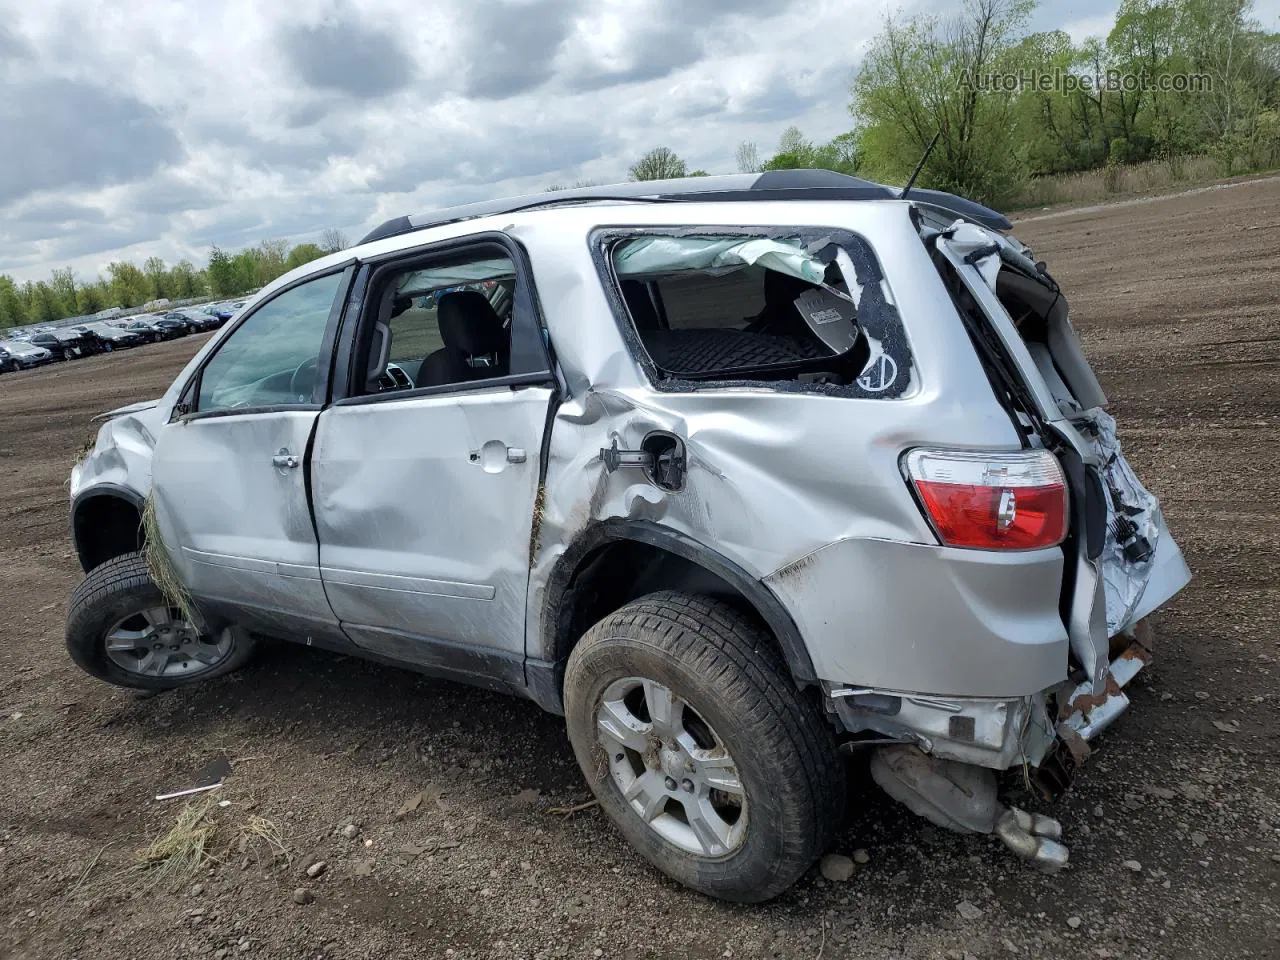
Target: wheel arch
(106, 522)
(584, 587)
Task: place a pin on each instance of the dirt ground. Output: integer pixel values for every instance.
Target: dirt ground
(1177, 301)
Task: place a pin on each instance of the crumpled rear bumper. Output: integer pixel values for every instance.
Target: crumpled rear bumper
(1085, 712)
(1049, 731)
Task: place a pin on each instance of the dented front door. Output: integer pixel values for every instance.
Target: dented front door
(232, 495)
(229, 471)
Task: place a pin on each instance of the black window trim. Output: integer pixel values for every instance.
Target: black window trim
(529, 342)
(184, 411)
(600, 243)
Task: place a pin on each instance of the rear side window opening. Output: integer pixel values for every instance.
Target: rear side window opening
(795, 309)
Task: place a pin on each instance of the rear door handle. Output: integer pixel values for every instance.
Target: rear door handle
(284, 461)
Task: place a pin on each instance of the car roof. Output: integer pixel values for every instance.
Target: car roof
(794, 185)
(733, 201)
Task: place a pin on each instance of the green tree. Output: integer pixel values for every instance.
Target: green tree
(797, 153)
(13, 312)
(185, 281)
(129, 285)
(45, 304)
(272, 256)
(222, 274)
(245, 265)
(1241, 111)
(303, 253)
(157, 272)
(926, 76)
(660, 163)
(63, 283)
(92, 298)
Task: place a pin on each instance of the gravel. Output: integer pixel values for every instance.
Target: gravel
(968, 911)
(836, 868)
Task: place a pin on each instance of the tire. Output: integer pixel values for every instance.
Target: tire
(108, 597)
(725, 668)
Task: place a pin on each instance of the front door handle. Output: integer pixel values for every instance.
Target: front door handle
(284, 460)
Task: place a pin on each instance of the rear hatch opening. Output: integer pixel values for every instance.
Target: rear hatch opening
(1017, 318)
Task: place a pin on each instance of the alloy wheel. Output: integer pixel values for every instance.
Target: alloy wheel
(672, 768)
(158, 642)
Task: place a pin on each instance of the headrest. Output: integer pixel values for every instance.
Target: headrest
(469, 324)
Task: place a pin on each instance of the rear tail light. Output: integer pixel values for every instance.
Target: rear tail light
(991, 501)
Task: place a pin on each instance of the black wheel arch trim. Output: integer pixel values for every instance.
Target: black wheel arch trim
(97, 491)
(552, 620)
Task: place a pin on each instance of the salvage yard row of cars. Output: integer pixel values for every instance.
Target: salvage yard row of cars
(41, 345)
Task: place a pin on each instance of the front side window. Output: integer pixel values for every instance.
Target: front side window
(272, 358)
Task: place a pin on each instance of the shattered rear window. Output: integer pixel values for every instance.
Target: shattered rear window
(738, 306)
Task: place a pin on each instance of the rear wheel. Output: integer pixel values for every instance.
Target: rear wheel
(120, 628)
(699, 747)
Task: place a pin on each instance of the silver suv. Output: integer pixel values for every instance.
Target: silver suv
(738, 474)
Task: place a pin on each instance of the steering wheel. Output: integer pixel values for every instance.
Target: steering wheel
(310, 365)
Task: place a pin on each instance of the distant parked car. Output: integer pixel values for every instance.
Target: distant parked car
(6, 362)
(66, 343)
(195, 319)
(222, 311)
(26, 355)
(145, 329)
(171, 328)
(158, 327)
(48, 341)
(111, 338)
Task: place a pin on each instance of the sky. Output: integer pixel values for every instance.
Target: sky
(164, 127)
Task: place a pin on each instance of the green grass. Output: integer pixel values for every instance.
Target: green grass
(1120, 181)
(160, 564)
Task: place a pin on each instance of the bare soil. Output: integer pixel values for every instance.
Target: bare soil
(1177, 301)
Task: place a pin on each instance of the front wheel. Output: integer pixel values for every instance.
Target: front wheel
(120, 628)
(699, 747)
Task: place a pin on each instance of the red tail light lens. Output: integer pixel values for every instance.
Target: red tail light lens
(992, 501)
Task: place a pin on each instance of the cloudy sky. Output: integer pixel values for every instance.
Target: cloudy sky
(167, 126)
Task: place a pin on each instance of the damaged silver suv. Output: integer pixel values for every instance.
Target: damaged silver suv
(739, 474)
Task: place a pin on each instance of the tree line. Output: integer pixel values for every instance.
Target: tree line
(128, 286)
(1171, 79)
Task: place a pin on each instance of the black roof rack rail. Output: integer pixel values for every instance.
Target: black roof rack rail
(771, 185)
